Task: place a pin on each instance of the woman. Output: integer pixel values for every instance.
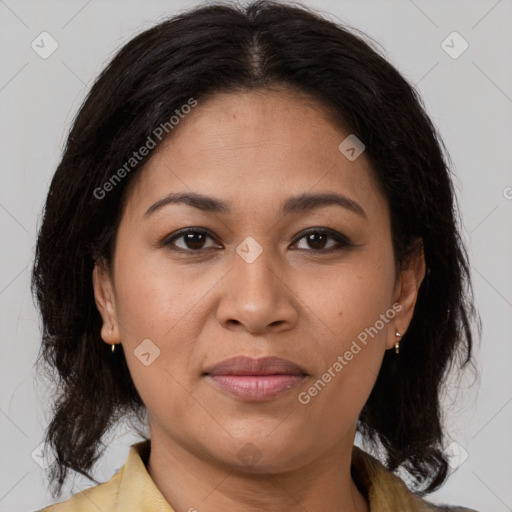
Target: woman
(252, 239)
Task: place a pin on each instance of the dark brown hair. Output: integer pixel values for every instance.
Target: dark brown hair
(222, 48)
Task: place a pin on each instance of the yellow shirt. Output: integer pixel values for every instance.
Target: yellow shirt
(131, 489)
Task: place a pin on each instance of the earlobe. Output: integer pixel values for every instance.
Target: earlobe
(105, 302)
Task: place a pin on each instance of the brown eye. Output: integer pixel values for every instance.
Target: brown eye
(318, 240)
(192, 240)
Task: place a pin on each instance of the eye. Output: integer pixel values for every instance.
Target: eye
(192, 240)
(316, 239)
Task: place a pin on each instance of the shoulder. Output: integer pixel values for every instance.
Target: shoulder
(100, 497)
(131, 488)
(386, 491)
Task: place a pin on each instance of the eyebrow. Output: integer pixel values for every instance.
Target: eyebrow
(296, 204)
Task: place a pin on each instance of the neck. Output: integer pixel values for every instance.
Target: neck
(190, 481)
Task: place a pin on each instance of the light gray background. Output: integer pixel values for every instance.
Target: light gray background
(468, 98)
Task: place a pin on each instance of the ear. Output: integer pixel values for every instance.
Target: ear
(406, 291)
(105, 302)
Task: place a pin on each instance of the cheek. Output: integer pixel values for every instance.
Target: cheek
(349, 299)
(154, 296)
(168, 306)
(154, 305)
(354, 306)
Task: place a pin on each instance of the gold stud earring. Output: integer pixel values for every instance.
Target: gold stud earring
(397, 343)
(111, 331)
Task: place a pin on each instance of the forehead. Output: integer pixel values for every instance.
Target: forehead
(253, 149)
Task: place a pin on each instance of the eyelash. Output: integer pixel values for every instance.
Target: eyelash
(342, 241)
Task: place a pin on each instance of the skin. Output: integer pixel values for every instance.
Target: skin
(253, 150)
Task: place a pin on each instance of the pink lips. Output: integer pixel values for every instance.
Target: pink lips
(255, 380)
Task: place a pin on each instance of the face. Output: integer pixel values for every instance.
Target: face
(255, 272)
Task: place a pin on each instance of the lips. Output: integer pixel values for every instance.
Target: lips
(255, 380)
(242, 365)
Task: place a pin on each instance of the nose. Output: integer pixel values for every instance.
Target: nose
(256, 298)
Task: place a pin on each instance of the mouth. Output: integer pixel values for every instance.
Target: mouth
(255, 380)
